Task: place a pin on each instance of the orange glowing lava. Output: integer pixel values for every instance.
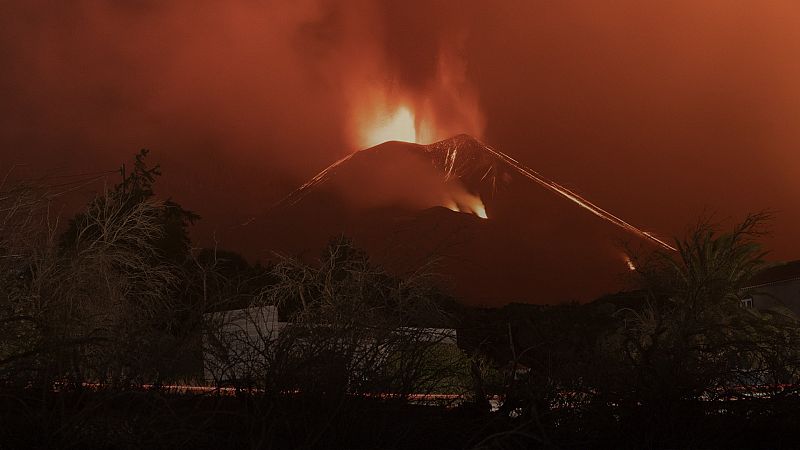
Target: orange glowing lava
(468, 204)
(480, 211)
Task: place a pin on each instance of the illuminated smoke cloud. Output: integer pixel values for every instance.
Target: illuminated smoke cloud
(242, 101)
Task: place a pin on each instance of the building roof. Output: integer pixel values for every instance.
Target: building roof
(777, 273)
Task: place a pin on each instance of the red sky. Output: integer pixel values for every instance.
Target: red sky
(658, 111)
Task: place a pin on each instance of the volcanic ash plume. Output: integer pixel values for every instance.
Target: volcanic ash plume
(385, 109)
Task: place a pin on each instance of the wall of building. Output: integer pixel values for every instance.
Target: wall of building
(243, 337)
(781, 293)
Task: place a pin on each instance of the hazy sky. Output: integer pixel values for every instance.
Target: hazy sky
(658, 111)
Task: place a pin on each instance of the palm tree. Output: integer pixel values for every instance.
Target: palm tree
(692, 338)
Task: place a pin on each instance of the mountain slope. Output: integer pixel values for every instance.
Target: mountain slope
(409, 205)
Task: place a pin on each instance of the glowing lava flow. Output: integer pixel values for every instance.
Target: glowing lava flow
(297, 195)
(525, 171)
(469, 204)
(480, 211)
(575, 197)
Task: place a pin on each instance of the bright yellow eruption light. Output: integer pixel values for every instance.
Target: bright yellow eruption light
(397, 126)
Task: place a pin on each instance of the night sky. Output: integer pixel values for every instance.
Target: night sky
(658, 111)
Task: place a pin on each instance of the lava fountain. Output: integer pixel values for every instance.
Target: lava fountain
(401, 124)
(397, 125)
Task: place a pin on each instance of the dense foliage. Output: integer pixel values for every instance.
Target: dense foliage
(100, 315)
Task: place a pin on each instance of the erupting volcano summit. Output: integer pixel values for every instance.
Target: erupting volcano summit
(410, 204)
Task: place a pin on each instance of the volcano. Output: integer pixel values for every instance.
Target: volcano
(491, 230)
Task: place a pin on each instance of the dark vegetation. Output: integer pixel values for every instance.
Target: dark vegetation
(101, 317)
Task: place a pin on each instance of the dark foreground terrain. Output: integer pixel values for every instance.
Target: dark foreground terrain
(150, 419)
(333, 353)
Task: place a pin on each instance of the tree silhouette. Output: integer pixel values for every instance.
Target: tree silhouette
(137, 186)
